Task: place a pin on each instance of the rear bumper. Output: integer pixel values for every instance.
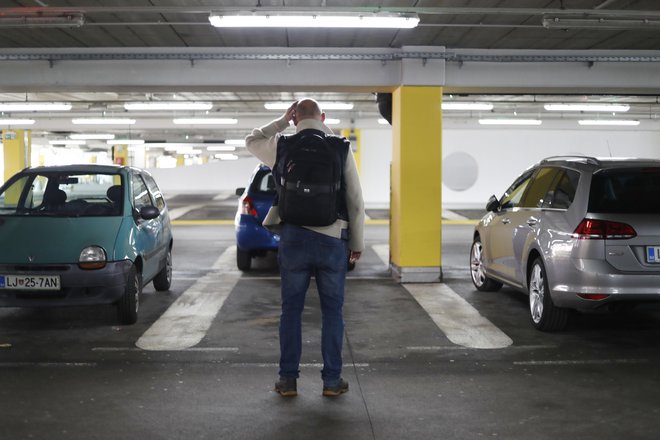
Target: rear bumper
(252, 236)
(78, 286)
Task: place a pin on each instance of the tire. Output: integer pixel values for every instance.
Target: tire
(129, 303)
(544, 314)
(163, 279)
(243, 259)
(479, 278)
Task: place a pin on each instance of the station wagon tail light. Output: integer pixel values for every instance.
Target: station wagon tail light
(247, 207)
(92, 257)
(603, 229)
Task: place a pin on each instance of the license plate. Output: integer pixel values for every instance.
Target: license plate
(653, 254)
(30, 282)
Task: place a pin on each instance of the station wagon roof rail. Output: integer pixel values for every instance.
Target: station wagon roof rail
(574, 158)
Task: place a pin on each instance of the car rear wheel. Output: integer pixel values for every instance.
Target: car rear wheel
(129, 303)
(163, 280)
(545, 315)
(243, 259)
(479, 278)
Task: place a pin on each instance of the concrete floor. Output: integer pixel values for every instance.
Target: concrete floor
(73, 373)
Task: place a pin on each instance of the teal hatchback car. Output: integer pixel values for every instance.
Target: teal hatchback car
(83, 235)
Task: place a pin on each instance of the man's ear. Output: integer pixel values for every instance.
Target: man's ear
(323, 117)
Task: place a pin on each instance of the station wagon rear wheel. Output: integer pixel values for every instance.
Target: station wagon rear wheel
(545, 315)
(479, 278)
(129, 303)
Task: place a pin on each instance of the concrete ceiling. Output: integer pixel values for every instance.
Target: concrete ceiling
(184, 25)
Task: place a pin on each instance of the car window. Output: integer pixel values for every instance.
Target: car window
(513, 195)
(563, 192)
(59, 194)
(625, 191)
(539, 187)
(263, 182)
(141, 196)
(155, 191)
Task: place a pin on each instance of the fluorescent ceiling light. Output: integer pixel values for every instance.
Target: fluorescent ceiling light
(315, 20)
(331, 121)
(92, 136)
(168, 105)
(73, 19)
(467, 106)
(34, 106)
(587, 107)
(125, 142)
(226, 156)
(510, 122)
(235, 142)
(103, 121)
(221, 148)
(67, 142)
(10, 121)
(324, 105)
(205, 121)
(629, 122)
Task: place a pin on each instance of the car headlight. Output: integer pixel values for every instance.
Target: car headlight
(92, 257)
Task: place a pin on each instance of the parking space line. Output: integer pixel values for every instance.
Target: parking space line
(186, 321)
(581, 362)
(193, 349)
(461, 323)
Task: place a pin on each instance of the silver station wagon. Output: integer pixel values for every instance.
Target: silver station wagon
(575, 233)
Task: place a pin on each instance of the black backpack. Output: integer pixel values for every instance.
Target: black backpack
(309, 173)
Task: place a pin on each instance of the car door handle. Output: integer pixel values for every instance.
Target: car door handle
(532, 221)
(506, 221)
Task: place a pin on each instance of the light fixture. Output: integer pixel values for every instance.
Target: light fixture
(125, 142)
(103, 121)
(235, 142)
(205, 121)
(226, 156)
(221, 148)
(67, 142)
(14, 121)
(600, 23)
(510, 121)
(324, 105)
(331, 121)
(34, 106)
(168, 105)
(92, 136)
(74, 19)
(315, 20)
(586, 107)
(467, 106)
(620, 122)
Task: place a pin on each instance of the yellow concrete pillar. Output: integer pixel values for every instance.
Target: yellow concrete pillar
(120, 154)
(416, 188)
(353, 135)
(180, 160)
(17, 146)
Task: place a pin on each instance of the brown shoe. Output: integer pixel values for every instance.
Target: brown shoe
(286, 386)
(340, 388)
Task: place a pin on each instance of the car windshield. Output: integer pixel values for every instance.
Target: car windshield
(62, 195)
(626, 191)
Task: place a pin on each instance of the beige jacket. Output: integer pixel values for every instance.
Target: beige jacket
(262, 143)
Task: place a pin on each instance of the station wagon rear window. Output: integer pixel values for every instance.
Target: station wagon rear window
(626, 191)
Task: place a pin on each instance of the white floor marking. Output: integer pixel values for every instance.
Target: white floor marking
(462, 324)
(47, 364)
(275, 365)
(188, 319)
(180, 212)
(194, 349)
(583, 362)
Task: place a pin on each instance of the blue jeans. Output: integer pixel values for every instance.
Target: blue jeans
(303, 254)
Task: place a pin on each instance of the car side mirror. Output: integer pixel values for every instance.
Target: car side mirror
(240, 191)
(149, 212)
(493, 204)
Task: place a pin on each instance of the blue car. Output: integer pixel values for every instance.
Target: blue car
(252, 239)
(83, 235)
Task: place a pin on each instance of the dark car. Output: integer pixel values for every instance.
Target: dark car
(252, 239)
(83, 235)
(574, 233)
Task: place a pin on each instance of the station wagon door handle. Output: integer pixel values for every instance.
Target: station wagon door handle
(532, 221)
(506, 221)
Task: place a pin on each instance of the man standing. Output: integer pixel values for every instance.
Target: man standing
(320, 251)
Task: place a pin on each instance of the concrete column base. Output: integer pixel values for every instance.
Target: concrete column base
(416, 274)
